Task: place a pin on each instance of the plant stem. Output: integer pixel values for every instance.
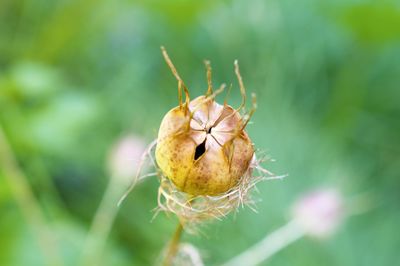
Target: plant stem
(27, 202)
(102, 224)
(173, 246)
(270, 245)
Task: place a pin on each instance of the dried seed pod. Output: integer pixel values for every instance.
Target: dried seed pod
(205, 160)
(202, 146)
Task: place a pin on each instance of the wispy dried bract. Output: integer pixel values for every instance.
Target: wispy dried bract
(193, 210)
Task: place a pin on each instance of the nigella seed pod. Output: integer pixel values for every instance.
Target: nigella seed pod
(202, 146)
(204, 158)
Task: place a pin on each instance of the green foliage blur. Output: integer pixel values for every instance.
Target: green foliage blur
(76, 76)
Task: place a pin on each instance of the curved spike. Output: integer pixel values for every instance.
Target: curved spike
(209, 82)
(245, 120)
(181, 84)
(241, 85)
(252, 110)
(180, 93)
(227, 94)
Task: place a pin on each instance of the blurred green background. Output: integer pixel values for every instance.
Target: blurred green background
(76, 76)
